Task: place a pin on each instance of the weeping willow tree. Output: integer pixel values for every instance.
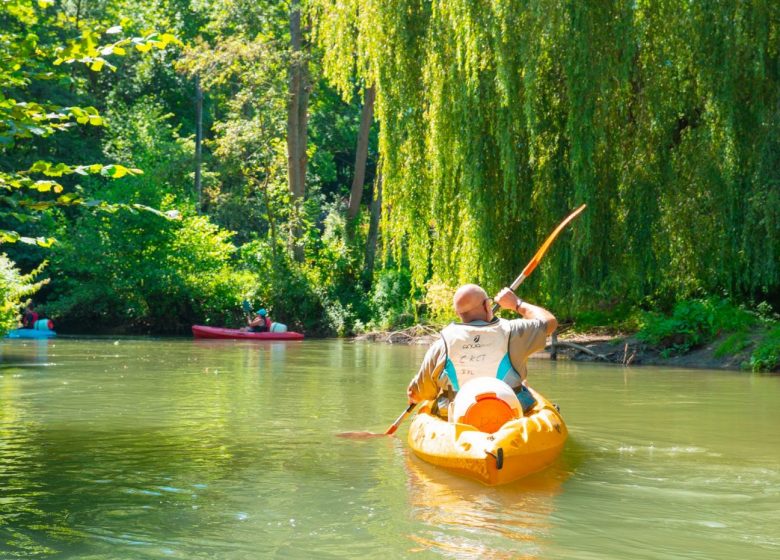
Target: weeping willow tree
(499, 116)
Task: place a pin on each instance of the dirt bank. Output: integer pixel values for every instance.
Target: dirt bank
(622, 349)
(627, 350)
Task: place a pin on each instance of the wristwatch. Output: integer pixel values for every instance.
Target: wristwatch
(519, 304)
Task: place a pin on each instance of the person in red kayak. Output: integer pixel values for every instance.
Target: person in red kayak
(261, 322)
(29, 317)
(482, 345)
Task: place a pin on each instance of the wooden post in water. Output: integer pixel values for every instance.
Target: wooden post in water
(554, 346)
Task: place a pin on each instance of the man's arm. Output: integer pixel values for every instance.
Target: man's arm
(507, 299)
(424, 386)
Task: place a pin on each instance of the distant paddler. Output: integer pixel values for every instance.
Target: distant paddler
(260, 321)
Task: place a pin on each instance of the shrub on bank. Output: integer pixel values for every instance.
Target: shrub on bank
(694, 323)
(766, 356)
(141, 273)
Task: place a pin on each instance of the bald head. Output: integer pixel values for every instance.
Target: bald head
(469, 303)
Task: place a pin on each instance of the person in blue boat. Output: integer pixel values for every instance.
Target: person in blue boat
(261, 322)
(29, 317)
(482, 345)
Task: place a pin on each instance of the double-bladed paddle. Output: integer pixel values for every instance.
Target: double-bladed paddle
(529, 268)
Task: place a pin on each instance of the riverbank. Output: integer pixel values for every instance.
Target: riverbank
(616, 348)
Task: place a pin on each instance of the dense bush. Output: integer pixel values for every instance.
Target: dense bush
(283, 288)
(697, 322)
(390, 302)
(143, 273)
(693, 323)
(438, 302)
(323, 295)
(766, 356)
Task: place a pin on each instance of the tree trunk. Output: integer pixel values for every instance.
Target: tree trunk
(269, 213)
(198, 142)
(361, 153)
(297, 107)
(373, 233)
(297, 121)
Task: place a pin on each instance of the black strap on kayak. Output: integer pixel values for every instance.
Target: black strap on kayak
(499, 457)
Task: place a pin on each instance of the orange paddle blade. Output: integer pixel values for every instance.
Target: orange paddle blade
(529, 268)
(392, 429)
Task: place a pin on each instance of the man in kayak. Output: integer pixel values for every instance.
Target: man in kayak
(261, 322)
(482, 345)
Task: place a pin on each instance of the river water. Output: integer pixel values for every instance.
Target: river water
(141, 448)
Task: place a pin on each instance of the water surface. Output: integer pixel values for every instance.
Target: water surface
(197, 449)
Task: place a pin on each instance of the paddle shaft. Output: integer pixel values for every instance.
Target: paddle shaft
(532, 264)
(247, 310)
(394, 426)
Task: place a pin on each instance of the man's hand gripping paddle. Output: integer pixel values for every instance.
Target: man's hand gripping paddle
(529, 268)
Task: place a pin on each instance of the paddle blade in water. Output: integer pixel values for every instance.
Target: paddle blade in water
(390, 431)
(358, 435)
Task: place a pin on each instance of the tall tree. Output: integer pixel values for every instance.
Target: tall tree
(361, 153)
(298, 104)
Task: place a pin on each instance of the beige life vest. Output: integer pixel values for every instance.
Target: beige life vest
(480, 350)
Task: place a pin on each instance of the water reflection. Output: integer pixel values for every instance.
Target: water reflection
(461, 518)
(25, 353)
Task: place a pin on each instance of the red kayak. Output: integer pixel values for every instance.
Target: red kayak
(200, 331)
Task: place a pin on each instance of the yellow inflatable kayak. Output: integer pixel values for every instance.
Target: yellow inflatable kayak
(517, 448)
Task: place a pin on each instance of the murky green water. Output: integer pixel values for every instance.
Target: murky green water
(188, 449)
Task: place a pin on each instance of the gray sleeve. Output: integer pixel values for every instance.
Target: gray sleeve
(428, 380)
(526, 337)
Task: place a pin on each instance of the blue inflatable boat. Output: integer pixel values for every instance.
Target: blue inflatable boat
(42, 330)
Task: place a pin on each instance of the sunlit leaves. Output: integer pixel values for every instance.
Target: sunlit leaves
(7, 236)
(38, 189)
(499, 117)
(88, 50)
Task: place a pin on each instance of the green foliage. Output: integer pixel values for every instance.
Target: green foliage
(14, 288)
(438, 302)
(30, 57)
(323, 295)
(283, 288)
(610, 314)
(766, 356)
(497, 118)
(693, 323)
(149, 141)
(392, 306)
(135, 273)
(733, 344)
